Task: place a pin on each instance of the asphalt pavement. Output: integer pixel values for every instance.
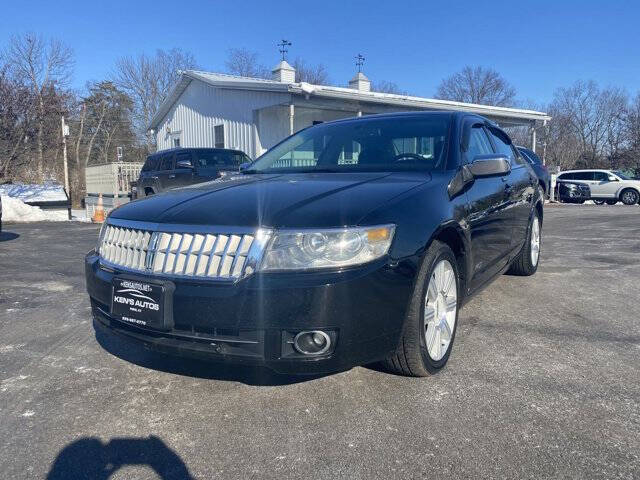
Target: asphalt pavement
(543, 381)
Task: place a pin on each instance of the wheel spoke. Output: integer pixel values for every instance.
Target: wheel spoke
(429, 314)
(451, 304)
(447, 330)
(430, 338)
(432, 290)
(448, 284)
(435, 345)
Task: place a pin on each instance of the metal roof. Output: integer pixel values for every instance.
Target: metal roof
(223, 80)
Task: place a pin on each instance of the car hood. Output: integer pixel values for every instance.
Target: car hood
(284, 200)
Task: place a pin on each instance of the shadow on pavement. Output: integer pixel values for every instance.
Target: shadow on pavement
(133, 352)
(89, 458)
(8, 236)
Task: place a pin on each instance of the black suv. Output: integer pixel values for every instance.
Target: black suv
(178, 167)
(347, 243)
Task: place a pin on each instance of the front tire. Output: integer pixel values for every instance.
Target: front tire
(629, 196)
(430, 326)
(526, 263)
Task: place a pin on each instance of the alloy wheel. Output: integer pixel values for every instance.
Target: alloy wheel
(535, 241)
(629, 197)
(440, 309)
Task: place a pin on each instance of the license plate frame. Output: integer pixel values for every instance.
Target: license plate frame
(142, 303)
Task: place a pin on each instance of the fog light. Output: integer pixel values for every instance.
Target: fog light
(315, 342)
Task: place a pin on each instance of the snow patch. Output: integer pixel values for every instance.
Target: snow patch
(10, 348)
(47, 192)
(54, 286)
(15, 210)
(12, 382)
(29, 413)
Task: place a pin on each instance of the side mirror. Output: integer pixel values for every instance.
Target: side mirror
(183, 164)
(490, 165)
(244, 166)
(612, 178)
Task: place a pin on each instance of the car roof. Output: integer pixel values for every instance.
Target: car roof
(421, 114)
(585, 170)
(193, 149)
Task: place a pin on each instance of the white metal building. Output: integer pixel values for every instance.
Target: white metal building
(218, 110)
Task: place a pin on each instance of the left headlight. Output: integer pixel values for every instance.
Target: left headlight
(310, 249)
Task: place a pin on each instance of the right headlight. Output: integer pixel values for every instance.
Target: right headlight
(326, 248)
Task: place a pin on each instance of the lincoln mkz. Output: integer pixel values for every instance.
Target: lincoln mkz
(348, 243)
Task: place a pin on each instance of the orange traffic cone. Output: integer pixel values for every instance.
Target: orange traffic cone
(98, 214)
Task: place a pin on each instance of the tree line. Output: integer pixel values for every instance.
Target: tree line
(591, 126)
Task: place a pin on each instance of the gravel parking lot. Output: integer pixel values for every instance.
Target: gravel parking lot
(543, 381)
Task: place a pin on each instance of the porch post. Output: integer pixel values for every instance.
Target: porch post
(533, 137)
(291, 117)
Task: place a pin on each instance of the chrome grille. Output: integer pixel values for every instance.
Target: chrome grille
(203, 255)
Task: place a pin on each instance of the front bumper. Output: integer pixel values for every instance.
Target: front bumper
(253, 321)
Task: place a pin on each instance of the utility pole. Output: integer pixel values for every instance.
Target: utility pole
(65, 133)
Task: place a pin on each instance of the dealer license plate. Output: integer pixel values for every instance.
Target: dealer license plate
(138, 303)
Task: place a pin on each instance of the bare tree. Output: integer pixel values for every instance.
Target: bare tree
(613, 104)
(314, 74)
(147, 80)
(43, 65)
(16, 123)
(479, 85)
(384, 86)
(632, 128)
(245, 63)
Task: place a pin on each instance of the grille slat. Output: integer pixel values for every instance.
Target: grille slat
(200, 255)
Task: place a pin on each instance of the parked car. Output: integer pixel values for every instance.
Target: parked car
(540, 168)
(349, 242)
(608, 185)
(568, 191)
(178, 167)
(0, 213)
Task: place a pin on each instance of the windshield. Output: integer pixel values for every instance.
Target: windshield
(379, 144)
(621, 175)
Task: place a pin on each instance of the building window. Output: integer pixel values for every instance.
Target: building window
(176, 141)
(218, 136)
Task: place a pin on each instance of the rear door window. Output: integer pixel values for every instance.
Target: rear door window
(583, 176)
(503, 146)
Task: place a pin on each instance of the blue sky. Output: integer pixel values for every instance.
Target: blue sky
(538, 46)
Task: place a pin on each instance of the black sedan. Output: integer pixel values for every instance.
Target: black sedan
(349, 242)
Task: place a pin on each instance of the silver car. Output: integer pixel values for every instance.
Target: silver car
(608, 186)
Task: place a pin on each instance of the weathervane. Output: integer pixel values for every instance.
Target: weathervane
(359, 62)
(283, 47)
